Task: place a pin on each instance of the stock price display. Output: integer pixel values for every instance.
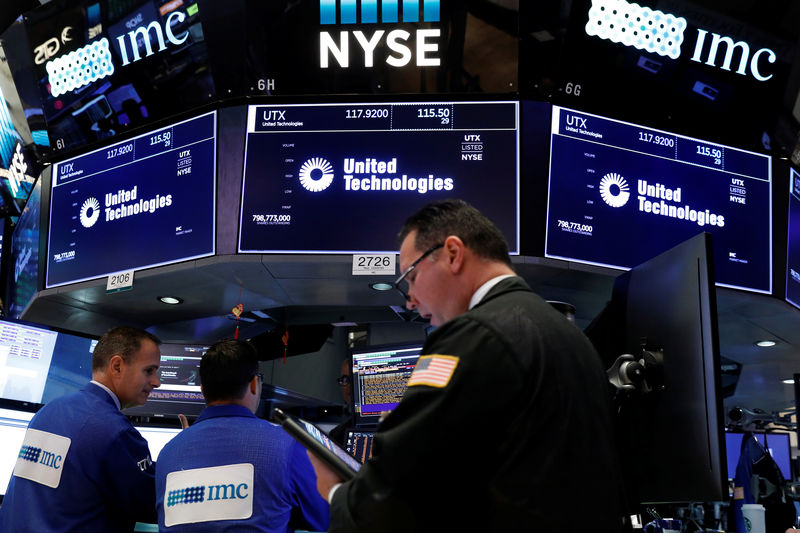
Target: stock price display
(620, 194)
(140, 203)
(342, 178)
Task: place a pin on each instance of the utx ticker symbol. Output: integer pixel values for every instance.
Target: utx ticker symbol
(274, 115)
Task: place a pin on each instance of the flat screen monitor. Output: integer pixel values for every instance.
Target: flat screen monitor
(179, 392)
(359, 444)
(157, 438)
(342, 178)
(620, 193)
(24, 279)
(793, 241)
(160, 185)
(38, 364)
(380, 375)
(776, 444)
(671, 442)
(13, 425)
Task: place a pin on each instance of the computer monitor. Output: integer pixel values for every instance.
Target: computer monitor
(359, 444)
(39, 363)
(670, 439)
(13, 425)
(380, 375)
(776, 444)
(157, 438)
(179, 392)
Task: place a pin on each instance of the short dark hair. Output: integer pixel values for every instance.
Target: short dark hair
(123, 341)
(227, 368)
(438, 220)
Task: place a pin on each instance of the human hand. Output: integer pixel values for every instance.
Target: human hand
(326, 478)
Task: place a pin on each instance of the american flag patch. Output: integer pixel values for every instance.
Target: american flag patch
(433, 370)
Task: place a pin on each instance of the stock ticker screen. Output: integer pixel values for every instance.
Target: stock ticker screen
(620, 193)
(340, 178)
(161, 184)
(380, 378)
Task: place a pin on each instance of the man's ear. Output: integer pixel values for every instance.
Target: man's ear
(115, 365)
(254, 385)
(455, 250)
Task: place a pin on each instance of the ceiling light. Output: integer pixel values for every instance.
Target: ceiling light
(381, 286)
(170, 300)
(766, 344)
(788, 381)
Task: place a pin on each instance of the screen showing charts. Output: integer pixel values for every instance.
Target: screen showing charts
(793, 246)
(179, 374)
(38, 364)
(380, 376)
(145, 202)
(340, 178)
(620, 194)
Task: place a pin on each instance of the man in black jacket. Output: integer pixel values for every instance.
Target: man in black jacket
(506, 423)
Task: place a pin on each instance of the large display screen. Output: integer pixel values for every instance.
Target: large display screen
(340, 178)
(103, 67)
(793, 244)
(776, 444)
(24, 281)
(161, 185)
(38, 364)
(620, 194)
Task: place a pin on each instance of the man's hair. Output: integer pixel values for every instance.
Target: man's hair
(438, 220)
(123, 341)
(226, 369)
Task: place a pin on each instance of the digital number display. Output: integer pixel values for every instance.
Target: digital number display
(146, 202)
(620, 194)
(342, 178)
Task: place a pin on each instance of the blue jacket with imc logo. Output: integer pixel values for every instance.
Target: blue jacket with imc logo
(82, 467)
(231, 471)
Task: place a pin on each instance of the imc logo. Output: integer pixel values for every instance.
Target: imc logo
(614, 190)
(38, 455)
(215, 492)
(316, 174)
(400, 50)
(661, 33)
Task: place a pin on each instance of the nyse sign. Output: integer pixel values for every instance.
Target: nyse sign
(401, 47)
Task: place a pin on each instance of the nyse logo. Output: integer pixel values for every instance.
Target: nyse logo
(662, 33)
(425, 48)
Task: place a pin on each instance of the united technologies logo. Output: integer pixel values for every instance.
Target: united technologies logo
(90, 212)
(316, 174)
(614, 190)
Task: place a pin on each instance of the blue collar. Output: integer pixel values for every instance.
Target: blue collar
(226, 410)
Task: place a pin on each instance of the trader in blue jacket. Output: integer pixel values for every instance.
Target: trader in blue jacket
(232, 471)
(83, 466)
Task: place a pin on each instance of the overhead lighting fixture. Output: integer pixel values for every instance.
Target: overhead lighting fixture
(381, 286)
(766, 344)
(170, 300)
(788, 381)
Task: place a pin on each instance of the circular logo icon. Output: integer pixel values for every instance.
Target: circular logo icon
(614, 190)
(316, 174)
(90, 212)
